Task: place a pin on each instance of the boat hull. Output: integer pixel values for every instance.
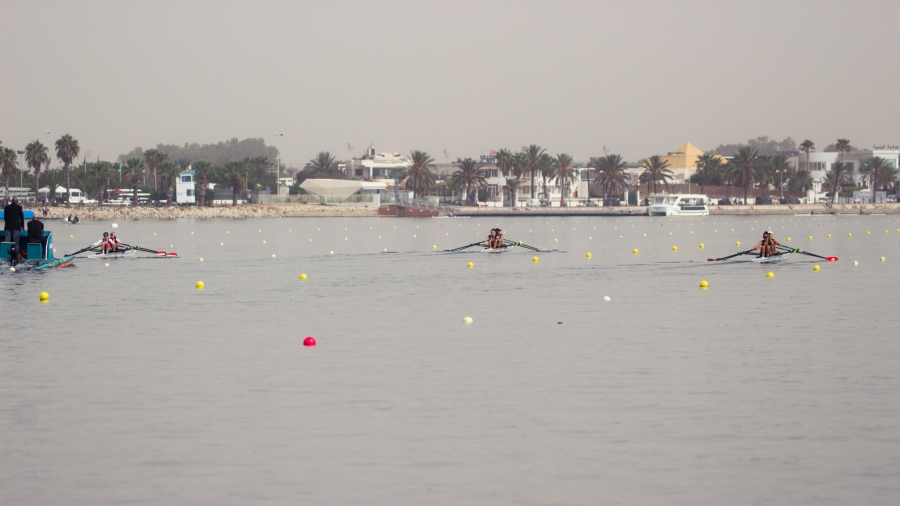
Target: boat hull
(772, 259)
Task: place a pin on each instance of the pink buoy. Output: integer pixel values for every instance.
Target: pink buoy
(309, 341)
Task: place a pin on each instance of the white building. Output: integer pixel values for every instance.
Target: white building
(371, 166)
(184, 187)
(345, 191)
(819, 163)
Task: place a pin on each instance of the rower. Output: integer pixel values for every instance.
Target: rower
(498, 237)
(766, 246)
(113, 243)
(490, 239)
(103, 243)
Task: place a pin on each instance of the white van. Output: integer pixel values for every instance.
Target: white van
(76, 197)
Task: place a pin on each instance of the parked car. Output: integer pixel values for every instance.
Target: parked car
(726, 202)
(763, 200)
(611, 202)
(789, 200)
(589, 203)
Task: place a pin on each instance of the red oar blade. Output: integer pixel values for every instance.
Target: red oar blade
(832, 259)
(160, 253)
(171, 254)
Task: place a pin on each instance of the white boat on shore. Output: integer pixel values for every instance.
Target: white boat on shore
(679, 204)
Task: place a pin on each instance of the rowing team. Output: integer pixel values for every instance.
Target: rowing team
(767, 246)
(495, 238)
(108, 244)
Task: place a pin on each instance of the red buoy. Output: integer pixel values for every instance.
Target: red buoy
(309, 341)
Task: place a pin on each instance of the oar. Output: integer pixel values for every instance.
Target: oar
(729, 256)
(796, 250)
(82, 250)
(155, 252)
(463, 247)
(532, 248)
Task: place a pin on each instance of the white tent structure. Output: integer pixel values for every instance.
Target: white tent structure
(345, 191)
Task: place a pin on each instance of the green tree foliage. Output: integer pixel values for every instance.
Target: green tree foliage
(763, 146)
(565, 174)
(8, 158)
(233, 175)
(533, 155)
(52, 179)
(656, 171)
(134, 169)
(743, 168)
(469, 176)
(67, 150)
(204, 171)
(807, 146)
(419, 176)
(217, 154)
(36, 155)
(611, 177)
(878, 173)
(837, 177)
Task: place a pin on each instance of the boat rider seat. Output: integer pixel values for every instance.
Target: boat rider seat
(35, 251)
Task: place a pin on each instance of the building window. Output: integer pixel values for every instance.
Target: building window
(185, 179)
(190, 193)
(358, 172)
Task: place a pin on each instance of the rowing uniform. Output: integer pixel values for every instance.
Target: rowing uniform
(104, 245)
(113, 244)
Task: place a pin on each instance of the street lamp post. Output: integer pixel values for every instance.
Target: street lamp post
(277, 161)
(781, 175)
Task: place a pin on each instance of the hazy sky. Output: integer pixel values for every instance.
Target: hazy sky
(638, 77)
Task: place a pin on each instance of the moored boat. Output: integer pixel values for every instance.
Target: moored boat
(679, 204)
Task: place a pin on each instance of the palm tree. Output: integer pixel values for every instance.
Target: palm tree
(843, 146)
(418, 176)
(53, 178)
(546, 166)
(202, 170)
(135, 168)
(656, 170)
(519, 164)
(36, 154)
(877, 172)
(8, 159)
(565, 175)
(233, 174)
(800, 181)
(67, 150)
(155, 158)
(505, 161)
(469, 176)
(709, 171)
(807, 146)
(611, 175)
(324, 165)
(169, 171)
(533, 154)
(744, 167)
(838, 176)
(103, 172)
(512, 189)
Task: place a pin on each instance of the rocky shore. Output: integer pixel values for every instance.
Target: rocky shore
(237, 212)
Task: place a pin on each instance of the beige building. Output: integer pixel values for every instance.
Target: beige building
(683, 161)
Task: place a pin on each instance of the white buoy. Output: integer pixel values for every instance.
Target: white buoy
(115, 225)
(606, 298)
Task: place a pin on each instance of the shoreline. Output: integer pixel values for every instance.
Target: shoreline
(248, 211)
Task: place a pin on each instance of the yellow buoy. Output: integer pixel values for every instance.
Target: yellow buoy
(737, 243)
(702, 245)
(467, 319)
(882, 259)
(868, 232)
(849, 234)
(470, 265)
(704, 284)
(674, 248)
(226, 231)
(588, 255)
(788, 239)
(200, 285)
(154, 233)
(534, 259)
(259, 231)
(810, 238)
(201, 259)
(434, 246)
(816, 267)
(45, 296)
(192, 233)
(770, 274)
(634, 251)
(302, 276)
(829, 236)
(555, 240)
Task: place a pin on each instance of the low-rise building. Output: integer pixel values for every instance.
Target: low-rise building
(372, 165)
(184, 187)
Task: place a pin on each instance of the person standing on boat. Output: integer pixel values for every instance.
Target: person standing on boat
(14, 221)
(36, 234)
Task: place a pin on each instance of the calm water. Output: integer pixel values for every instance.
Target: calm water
(131, 386)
